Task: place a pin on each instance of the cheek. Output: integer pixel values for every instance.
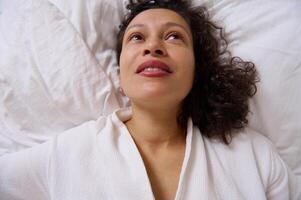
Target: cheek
(123, 78)
(127, 57)
(189, 69)
(122, 59)
(122, 65)
(189, 62)
(125, 68)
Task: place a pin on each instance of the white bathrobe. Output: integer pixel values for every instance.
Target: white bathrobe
(100, 161)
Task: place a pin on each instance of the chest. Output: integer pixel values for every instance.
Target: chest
(117, 172)
(164, 172)
(164, 181)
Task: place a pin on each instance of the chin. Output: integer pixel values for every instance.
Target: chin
(161, 99)
(153, 92)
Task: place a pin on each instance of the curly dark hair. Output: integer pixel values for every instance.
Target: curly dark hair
(218, 100)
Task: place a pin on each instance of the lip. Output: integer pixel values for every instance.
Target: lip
(154, 63)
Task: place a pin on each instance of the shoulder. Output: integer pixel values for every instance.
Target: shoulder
(248, 147)
(247, 142)
(251, 157)
(248, 150)
(104, 127)
(83, 137)
(251, 141)
(91, 138)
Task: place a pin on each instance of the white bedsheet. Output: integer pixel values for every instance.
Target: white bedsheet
(58, 66)
(268, 33)
(210, 170)
(50, 80)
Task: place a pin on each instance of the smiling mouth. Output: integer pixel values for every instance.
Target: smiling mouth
(153, 68)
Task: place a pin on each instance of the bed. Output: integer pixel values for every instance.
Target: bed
(58, 67)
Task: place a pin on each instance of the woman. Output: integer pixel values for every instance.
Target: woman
(182, 137)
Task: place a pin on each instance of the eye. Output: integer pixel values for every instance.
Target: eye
(135, 37)
(174, 36)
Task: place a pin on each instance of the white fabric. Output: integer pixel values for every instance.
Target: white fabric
(50, 79)
(99, 160)
(58, 67)
(97, 23)
(268, 33)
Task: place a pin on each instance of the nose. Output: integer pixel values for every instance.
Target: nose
(154, 48)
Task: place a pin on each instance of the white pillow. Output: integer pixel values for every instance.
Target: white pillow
(97, 23)
(58, 67)
(268, 33)
(54, 67)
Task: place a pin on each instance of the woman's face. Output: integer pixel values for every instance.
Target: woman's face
(157, 59)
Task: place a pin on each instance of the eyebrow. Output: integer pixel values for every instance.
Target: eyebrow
(167, 25)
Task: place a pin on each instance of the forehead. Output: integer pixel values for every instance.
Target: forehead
(157, 17)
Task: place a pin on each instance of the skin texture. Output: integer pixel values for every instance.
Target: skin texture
(150, 36)
(158, 34)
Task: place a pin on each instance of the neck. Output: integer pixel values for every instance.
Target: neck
(155, 128)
